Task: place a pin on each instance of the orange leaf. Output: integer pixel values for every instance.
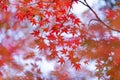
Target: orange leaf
(118, 3)
(54, 54)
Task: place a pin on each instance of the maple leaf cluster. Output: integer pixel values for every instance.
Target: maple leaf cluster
(55, 21)
(61, 36)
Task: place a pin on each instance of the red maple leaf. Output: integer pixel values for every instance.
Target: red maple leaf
(42, 45)
(4, 7)
(33, 21)
(71, 55)
(60, 40)
(65, 30)
(69, 43)
(64, 51)
(77, 21)
(53, 54)
(41, 23)
(62, 11)
(51, 37)
(76, 66)
(76, 41)
(71, 16)
(52, 46)
(58, 19)
(48, 13)
(68, 4)
(20, 16)
(40, 5)
(110, 13)
(74, 31)
(28, 14)
(61, 60)
(64, 18)
(35, 33)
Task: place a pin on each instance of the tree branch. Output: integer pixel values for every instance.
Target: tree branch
(98, 19)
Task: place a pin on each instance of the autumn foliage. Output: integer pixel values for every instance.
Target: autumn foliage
(33, 29)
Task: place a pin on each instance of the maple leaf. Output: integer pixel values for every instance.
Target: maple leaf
(65, 30)
(68, 4)
(74, 46)
(4, 7)
(42, 45)
(28, 14)
(76, 66)
(63, 11)
(48, 13)
(58, 19)
(69, 43)
(77, 21)
(41, 23)
(76, 41)
(20, 16)
(40, 5)
(71, 55)
(52, 46)
(33, 21)
(64, 51)
(45, 29)
(55, 28)
(35, 33)
(51, 37)
(60, 40)
(74, 60)
(110, 13)
(53, 54)
(64, 18)
(73, 31)
(71, 16)
(61, 60)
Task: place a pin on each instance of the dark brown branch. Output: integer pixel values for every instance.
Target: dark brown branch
(98, 19)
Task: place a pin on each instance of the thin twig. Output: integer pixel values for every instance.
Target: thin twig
(98, 19)
(92, 20)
